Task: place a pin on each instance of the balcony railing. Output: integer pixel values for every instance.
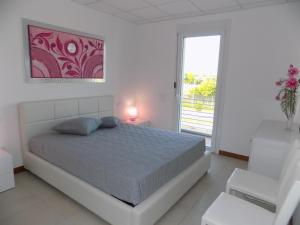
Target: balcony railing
(197, 115)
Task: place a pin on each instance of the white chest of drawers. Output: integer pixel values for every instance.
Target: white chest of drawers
(269, 149)
(270, 146)
(6, 171)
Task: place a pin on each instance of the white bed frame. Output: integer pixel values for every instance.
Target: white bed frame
(38, 117)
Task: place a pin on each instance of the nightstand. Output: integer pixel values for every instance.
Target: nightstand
(6, 171)
(138, 122)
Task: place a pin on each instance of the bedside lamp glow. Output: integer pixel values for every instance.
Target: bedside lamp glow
(132, 113)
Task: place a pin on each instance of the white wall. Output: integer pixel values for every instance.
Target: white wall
(141, 62)
(63, 13)
(263, 43)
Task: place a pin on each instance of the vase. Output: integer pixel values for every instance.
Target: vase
(290, 122)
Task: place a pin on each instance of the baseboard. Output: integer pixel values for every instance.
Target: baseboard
(233, 155)
(19, 169)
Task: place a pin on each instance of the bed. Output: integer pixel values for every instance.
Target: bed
(141, 173)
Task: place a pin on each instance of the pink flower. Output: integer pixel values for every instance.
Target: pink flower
(291, 83)
(293, 71)
(278, 83)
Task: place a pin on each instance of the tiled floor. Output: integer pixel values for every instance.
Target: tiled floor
(34, 202)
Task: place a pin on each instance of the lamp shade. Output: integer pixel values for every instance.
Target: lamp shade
(132, 112)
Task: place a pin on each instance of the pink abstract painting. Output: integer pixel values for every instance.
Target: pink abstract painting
(56, 54)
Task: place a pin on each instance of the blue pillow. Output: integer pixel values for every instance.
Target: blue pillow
(79, 126)
(109, 122)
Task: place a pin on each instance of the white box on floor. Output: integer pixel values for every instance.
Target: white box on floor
(6, 171)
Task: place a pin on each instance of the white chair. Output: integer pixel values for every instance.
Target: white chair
(230, 210)
(260, 189)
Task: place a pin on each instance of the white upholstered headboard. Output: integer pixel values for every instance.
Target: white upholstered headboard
(40, 116)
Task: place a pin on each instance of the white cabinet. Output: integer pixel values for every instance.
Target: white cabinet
(270, 145)
(269, 148)
(6, 171)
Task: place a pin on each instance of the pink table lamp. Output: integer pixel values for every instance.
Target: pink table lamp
(132, 113)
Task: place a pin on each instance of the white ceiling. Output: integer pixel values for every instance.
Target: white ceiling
(149, 11)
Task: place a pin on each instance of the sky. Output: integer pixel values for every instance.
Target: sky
(201, 55)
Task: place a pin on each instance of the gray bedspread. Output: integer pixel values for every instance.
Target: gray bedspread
(128, 162)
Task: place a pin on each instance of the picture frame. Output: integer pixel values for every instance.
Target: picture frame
(55, 54)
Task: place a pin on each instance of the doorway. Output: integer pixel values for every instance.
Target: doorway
(199, 72)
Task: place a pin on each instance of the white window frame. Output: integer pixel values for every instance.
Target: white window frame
(223, 29)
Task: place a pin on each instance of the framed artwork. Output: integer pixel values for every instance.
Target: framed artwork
(55, 54)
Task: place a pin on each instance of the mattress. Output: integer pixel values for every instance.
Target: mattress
(128, 162)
